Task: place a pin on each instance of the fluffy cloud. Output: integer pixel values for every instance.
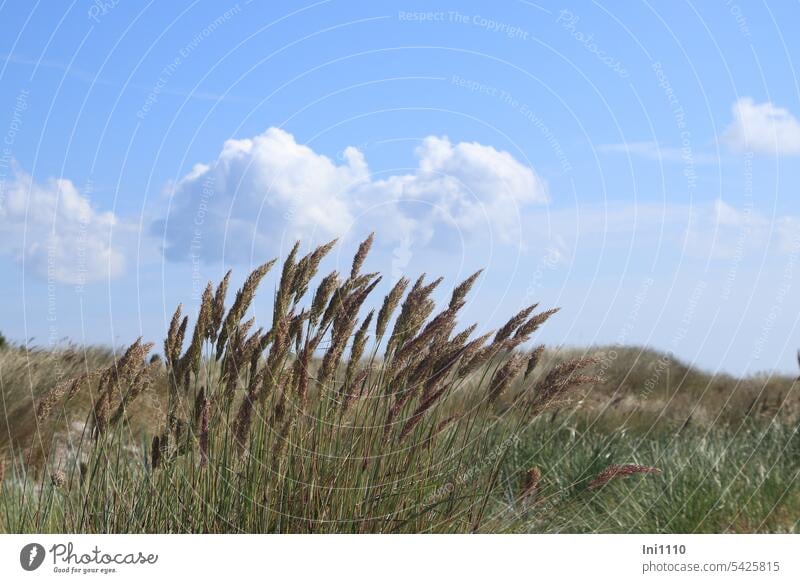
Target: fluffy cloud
(763, 127)
(263, 189)
(53, 230)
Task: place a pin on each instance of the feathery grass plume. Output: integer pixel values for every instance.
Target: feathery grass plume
(203, 439)
(343, 324)
(58, 479)
(282, 441)
(136, 386)
(438, 328)
(239, 350)
(179, 338)
(406, 308)
(359, 344)
(361, 255)
(505, 375)
(461, 338)
(296, 329)
(190, 361)
(285, 287)
(199, 401)
(244, 418)
(434, 370)
(390, 303)
(172, 348)
(120, 368)
(441, 360)
(476, 355)
(525, 331)
(461, 290)
(307, 268)
(251, 349)
(534, 360)
(56, 394)
(275, 360)
(124, 370)
(515, 322)
(324, 291)
(335, 304)
(616, 471)
(241, 304)
(551, 390)
(343, 294)
(155, 453)
(218, 310)
(414, 311)
(356, 388)
(101, 409)
(420, 411)
(302, 364)
(531, 486)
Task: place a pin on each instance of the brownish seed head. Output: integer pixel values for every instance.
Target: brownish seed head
(218, 310)
(390, 303)
(323, 294)
(505, 375)
(361, 255)
(359, 344)
(307, 268)
(58, 478)
(534, 360)
(515, 322)
(241, 304)
(524, 332)
(561, 378)
(616, 471)
(171, 346)
(532, 479)
(286, 285)
(461, 290)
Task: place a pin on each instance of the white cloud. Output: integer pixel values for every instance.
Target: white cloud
(53, 229)
(763, 127)
(263, 189)
(723, 231)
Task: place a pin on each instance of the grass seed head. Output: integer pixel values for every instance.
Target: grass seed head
(361, 255)
(390, 304)
(616, 471)
(534, 360)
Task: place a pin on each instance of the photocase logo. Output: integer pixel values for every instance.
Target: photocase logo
(31, 556)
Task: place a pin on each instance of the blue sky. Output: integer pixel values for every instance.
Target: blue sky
(633, 163)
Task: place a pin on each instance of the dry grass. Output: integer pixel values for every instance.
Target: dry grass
(286, 421)
(332, 420)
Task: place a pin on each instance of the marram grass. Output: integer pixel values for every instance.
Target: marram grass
(330, 420)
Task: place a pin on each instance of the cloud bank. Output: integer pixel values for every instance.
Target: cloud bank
(53, 230)
(269, 187)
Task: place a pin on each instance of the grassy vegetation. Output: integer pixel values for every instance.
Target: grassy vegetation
(332, 421)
